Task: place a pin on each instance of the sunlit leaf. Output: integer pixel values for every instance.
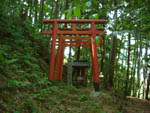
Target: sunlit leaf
(68, 15)
(77, 12)
(97, 17)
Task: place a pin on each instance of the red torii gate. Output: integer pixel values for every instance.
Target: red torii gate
(60, 39)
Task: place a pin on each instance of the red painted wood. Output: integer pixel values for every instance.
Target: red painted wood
(78, 45)
(93, 70)
(52, 60)
(74, 32)
(94, 56)
(74, 27)
(75, 38)
(62, 60)
(76, 21)
(80, 42)
(75, 45)
(58, 59)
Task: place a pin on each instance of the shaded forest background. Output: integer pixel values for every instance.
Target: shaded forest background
(24, 51)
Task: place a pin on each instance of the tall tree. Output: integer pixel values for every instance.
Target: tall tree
(36, 11)
(41, 13)
(128, 66)
(56, 10)
(113, 50)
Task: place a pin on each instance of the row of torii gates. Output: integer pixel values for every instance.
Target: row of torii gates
(74, 37)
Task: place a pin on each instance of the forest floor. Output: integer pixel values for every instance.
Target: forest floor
(52, 98)
(136, 105)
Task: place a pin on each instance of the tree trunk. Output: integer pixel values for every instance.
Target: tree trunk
(144, 73)
(103, 2)
(134, 68)
(30, 8)
(102, 56)
(113, 52)
(41, 13)
(128, 68)
(139, 67)
(66, 8)
(52, 4)
(69, 72)
(56, 10)
(112, 61)
(35, 14)
(145, 69)
(147, 89)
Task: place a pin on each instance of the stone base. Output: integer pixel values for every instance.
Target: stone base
(96, 86)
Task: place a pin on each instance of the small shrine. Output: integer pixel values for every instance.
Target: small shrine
(80, 71)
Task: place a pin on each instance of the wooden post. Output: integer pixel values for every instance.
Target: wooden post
(52, 59)
(58, 59)
(94, 58)
(61, 60)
